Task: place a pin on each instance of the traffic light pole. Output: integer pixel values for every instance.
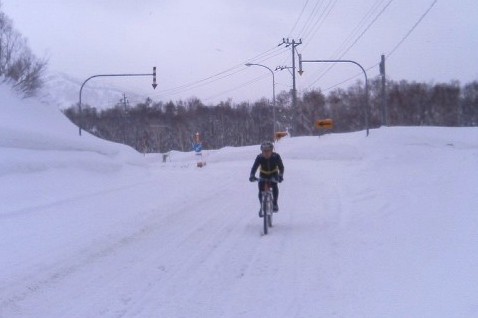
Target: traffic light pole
(343, 61)
(111, 75)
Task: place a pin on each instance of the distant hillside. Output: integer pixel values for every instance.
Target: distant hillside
(63, 91)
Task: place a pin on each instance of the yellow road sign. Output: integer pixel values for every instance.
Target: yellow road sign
(325, 123)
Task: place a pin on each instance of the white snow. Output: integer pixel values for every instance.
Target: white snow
(378, 226)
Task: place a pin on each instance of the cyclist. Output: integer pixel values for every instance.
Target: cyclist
(271, 167)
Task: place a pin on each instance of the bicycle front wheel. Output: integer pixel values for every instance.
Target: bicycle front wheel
(267, 211)
(265, 214)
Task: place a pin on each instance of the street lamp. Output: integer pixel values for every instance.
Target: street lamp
(273, 96)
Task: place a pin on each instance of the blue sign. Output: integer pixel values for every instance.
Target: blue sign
(197, 147)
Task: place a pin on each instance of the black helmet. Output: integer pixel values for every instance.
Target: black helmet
(267, 145)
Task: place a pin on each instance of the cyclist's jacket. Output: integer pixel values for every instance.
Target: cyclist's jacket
(271, 167)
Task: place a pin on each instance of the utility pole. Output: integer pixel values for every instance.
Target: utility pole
(125, 101)
(293, 45)
(384, 99)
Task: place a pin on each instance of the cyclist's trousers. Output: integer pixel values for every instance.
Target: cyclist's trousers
(275, 191)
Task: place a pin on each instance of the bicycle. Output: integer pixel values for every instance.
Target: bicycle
(266, 202)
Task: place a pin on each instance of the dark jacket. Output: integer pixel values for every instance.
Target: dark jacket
(271, 167)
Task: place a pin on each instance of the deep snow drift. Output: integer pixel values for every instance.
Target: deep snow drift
(378, 226)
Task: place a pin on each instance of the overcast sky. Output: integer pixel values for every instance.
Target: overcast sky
(200, 47)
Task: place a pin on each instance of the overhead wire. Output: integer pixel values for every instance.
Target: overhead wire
(265, 56)
(312, 26)
(314, 20)
(194, 83)
(420, 19)
(298, 18)
(313, 13)
(254, 80)
(357, 28)
(319, 22)
(412, 29)
(341, 55)
(275, 51)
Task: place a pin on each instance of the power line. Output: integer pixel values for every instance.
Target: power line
(356, 39)
(412, 29)
(352, 77)
(273, 52)
(310, 18)
(394, 48)
(309, 24)
(313, 28)
(357, 28)
(321, 19)
(195, 83)
(256, 79)
(367, 28)
(298, 19)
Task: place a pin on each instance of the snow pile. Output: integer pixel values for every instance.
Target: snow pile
(378, 226)
(42, 148)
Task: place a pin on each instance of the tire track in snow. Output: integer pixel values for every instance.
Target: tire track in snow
(48, 277)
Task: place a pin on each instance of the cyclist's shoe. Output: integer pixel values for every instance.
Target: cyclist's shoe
(260, 213)
(275, 208)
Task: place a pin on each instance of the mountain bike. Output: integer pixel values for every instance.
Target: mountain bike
(267, 202)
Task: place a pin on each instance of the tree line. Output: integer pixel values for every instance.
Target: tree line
(160, 127)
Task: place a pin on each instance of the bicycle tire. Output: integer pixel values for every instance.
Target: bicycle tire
(271, 211)
(264, 213)
(267, 211)
(269, 218)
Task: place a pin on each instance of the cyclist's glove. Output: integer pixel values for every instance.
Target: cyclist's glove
(252, 178)
(280, 178)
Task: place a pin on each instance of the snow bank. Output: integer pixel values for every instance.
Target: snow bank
(42, 147)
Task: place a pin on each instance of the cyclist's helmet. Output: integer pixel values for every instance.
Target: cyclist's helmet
(267, 145)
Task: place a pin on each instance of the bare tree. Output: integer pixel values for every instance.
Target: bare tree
(18, 64)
